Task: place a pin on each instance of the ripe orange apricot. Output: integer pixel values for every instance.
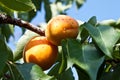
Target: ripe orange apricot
(61, 27)
(41, 52)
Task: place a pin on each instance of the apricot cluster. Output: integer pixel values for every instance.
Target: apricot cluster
(43, 50)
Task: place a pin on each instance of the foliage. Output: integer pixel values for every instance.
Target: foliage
(95, 54)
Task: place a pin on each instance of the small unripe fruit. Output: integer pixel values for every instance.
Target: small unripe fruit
(41, 52)
(61, 27)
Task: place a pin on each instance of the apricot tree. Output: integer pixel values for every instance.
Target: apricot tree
(94, 54)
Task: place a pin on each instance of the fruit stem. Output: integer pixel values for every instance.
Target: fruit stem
(6, 19)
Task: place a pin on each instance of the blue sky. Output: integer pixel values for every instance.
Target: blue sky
(102, 9)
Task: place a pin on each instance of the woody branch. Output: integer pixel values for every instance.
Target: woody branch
(6, 19)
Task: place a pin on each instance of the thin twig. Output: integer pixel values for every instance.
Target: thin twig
(5, 19)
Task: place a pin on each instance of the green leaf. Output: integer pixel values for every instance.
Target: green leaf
(63, 65)
(48, 11)
(84, 35)
(31, 71)
(37, 4)
(82, 74)
(79, 3)
(104, 36)
(10, 53)
(7, 31)
(0, 31)
(66, 75)
(5, 53)
(54, 71)
(93, 21)
(28, 16)
(14, 72)
(86, 57)
(18, 5)
(21, 43)
(7, 11)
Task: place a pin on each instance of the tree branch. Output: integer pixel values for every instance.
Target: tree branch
(5, 19)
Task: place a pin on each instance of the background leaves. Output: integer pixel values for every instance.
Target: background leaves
(18, 5)
(32, 72)
(86, 57)
(21, 43)
(7, 31)
(88, 54)
(102, 36)
(5, 53)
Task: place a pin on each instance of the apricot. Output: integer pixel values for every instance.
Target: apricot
(41, 52)
(61, 27)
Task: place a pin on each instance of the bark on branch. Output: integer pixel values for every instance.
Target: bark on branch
(5, 19)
